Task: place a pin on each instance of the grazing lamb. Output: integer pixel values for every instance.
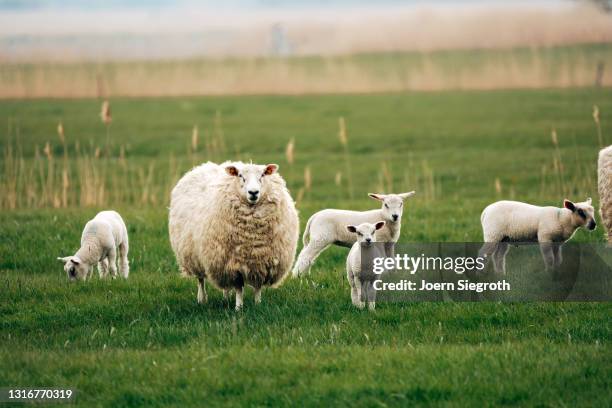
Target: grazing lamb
(505, 222)
(605, 189)
(328, 227)
(361, 276)
(235, 224)
(101, 238)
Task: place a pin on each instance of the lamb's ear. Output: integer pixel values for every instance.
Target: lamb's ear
(404, 196)
(271, 169)
(589, 201)
(569, 205)
(379, 225)
(379, 197)
(64, 259)
(351, 228)
(231, 170)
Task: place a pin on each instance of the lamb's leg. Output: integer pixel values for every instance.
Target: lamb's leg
(499, 257)
(124, 266)
(487, 250)
(546, 248)
(226, 294)
(202, 295)
(112, 261)
(239, 299)
(557, 254)
(307, 256)
(257, 296)
(351, 279)
(390, 249)
(360, 295)
(103, 268)
(371, 295)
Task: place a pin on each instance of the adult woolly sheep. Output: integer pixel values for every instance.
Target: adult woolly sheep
(236, 225)
(605, 189)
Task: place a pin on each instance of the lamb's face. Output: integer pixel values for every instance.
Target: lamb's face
(583, 213)
(75, 269)
(393, 205)
(366, 232)
(252, 180)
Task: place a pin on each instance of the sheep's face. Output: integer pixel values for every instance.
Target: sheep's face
(252, 180)
(75, 268)
(583, 213)
(366, 232)
(393, 205)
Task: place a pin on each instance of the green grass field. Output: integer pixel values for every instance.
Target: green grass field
(145, 341)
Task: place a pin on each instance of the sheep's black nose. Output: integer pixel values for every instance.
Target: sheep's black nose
(395, 217)
(368, 240)
(592, 225)
(253, 193)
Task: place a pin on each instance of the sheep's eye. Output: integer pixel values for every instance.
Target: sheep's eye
(360, 234)
(386, 206)
(581, 213)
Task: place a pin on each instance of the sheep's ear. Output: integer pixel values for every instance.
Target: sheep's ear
(231, 170)
(64, 259)
(379, 197)
(271, 169)
(589, 201)
(404, 196)
(569, 205)
(379, 225)
(351, 228)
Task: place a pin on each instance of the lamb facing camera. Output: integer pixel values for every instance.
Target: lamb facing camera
(359, 270)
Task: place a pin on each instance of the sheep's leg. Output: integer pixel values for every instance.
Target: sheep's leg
(499, 257)
(239, 299)
(390, 249)
(487, 250)
(257, 296)
(112, 261)
(360, 295)
(124, 266)
(371, 295)
(546, 248)
(226, 294)
(351, 279)
(202, 295)
(307, 256)
(103, 268)
(557, 254)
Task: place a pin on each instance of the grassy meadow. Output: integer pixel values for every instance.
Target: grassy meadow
(145, 341)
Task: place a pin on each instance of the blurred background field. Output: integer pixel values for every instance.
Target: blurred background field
(105, 105)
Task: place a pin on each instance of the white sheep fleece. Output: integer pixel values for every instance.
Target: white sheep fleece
(512, 221)
(605, 189)
(361, 280)
(328, 227)
(103, 238)
(216, 234)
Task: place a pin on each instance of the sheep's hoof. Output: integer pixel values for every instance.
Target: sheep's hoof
(372, 306)
(359, 305)
(238, 308)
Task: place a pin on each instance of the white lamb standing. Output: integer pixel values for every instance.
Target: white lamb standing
(506, 222)
(605, 189)
(328, 227)
(235, 224)
(361, 276)
(102, 238)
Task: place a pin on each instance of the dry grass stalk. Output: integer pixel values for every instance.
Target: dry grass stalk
(498, 186)
(105, 113)
(60, 133)
(598, 125)
(307, 178)
(194, 139)
(289, 151)
(338, 178)
(343, 137)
